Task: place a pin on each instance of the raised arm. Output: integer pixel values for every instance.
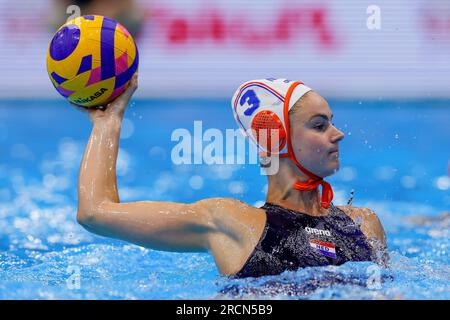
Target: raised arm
(165, 226)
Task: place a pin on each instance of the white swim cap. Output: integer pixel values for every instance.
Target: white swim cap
(265, 104)
(260, 108)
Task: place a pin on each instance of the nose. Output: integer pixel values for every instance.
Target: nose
(338, 135)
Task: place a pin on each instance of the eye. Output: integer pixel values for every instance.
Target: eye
(319, 126)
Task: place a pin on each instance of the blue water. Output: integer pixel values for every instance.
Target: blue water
(395, 156)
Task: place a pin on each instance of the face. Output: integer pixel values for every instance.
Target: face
(314, 138)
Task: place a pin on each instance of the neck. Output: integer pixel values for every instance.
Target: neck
(281, 192)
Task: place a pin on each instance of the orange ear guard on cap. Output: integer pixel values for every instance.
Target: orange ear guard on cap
(267, 126)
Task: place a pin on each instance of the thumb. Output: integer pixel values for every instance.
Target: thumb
(120, 103)
(132, 86)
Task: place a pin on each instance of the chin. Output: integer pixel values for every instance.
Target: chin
(325, 169)
(332, 169)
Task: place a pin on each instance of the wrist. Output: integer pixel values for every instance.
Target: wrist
(114, 120)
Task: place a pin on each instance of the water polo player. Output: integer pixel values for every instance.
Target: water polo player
(297, 227)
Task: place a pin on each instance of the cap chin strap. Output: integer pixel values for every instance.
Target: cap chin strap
(314, 181)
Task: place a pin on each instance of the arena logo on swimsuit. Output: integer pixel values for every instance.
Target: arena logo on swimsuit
(318, 231)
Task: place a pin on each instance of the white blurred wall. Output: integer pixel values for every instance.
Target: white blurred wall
(193, 48)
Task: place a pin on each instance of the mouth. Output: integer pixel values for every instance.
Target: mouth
(334, 154)
(335, 150)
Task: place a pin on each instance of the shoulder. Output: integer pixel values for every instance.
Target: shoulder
(238, 228)
(218, 207)
(370, 223)
(372, 228)
(232, 215)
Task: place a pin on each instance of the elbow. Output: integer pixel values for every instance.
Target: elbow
(86, 217)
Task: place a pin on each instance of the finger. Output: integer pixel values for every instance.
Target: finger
(90, 110)
(133, 85)
(120, 103)
(100, 107)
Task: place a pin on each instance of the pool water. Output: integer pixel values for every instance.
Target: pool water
(395, 157)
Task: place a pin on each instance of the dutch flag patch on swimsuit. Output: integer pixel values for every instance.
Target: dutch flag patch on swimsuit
(326, 248)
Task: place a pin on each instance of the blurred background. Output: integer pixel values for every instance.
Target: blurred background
(204, 48)
(385, 74)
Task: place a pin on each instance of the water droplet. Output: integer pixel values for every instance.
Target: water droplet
(196, 182)
(443, 183)
(408, 182)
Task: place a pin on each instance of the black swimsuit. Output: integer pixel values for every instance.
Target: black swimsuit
(293, 240)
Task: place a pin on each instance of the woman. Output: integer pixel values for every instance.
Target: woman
(295, 228)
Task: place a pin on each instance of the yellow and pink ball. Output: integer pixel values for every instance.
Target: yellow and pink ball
(91, 60)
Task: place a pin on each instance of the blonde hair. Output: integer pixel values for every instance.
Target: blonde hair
(297, 104)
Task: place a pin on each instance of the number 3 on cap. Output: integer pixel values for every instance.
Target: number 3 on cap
(252, 100)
